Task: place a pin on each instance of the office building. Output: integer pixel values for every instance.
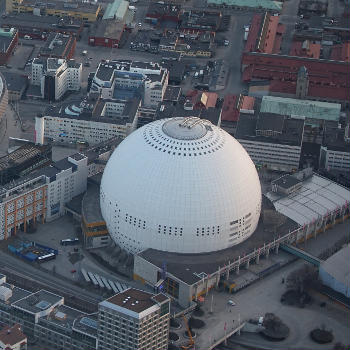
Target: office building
(41, 195)
(126, 79)
(271, 140)
(86, 122)
(140, 319)
(132, 319)
(56, 77)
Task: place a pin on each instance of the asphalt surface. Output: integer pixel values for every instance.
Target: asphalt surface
(21, 268)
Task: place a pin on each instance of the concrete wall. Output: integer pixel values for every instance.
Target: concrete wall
(333, 283)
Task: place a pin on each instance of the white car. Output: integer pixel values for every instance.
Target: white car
(140, 24)
(231, 303)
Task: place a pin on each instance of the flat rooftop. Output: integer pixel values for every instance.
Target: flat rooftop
(22, 154)
(27, 21)
(17, 293)
(316, 197)
(284, 130)
(302, 108)
(136, 300)
(338, 266)
(109, 29)
(189, 267)
(69, 6)
(91, 209)
(57, 44)
(63, 316)
(265, 4)
(87, 324)
(38, 302)
(286, 181)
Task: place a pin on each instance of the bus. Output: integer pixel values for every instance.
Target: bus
(47, 257)
(70, 241)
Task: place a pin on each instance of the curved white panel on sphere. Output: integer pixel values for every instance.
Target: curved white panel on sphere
(180, 185)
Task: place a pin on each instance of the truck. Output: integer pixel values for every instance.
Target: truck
(246, 32)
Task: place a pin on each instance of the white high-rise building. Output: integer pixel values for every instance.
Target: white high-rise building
(134, 320)
(56, 76)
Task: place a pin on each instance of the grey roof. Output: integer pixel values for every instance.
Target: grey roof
(172, 93)
(63, 164)
(14, 81)
(77, 156)
(269, 121)
(91, 209)
(17, 293)
(50, 23)
(106, 69)
(186, 267)
(72, 6)
(286, 181)
(92, 111)
(87, 324)
(166, 109)
(292, 131)
(39, 301)
(75, 204)
(338, 266)
(63, 317)
(57, 44)
(333, 138)
(316, 197)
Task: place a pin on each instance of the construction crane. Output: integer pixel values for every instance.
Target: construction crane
(190, 345)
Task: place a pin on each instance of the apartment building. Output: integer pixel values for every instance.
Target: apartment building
(87, 122)
(335, 150)
(44, 317)
(143, 79)
(41, 195)
(134, 320)
(56, 76)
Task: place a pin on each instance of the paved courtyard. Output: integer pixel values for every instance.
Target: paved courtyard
(264, 296)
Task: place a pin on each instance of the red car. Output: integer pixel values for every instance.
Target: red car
(73, 271)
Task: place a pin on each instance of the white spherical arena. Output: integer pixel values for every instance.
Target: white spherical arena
(180, 185)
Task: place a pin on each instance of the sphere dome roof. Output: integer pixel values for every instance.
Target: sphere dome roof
(180, 185)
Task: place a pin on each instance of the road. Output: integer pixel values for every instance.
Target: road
(23, 269)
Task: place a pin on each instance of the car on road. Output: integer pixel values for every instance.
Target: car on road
(140, 24)
(231, 303)
(73, 271)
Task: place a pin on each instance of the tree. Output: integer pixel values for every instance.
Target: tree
(303, 278)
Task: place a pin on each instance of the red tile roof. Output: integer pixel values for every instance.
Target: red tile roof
(201, 99)
(341, 52)
(305, 49)
(12, 335)
(229, 111)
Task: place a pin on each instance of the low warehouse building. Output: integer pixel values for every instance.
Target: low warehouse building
(335, 271)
